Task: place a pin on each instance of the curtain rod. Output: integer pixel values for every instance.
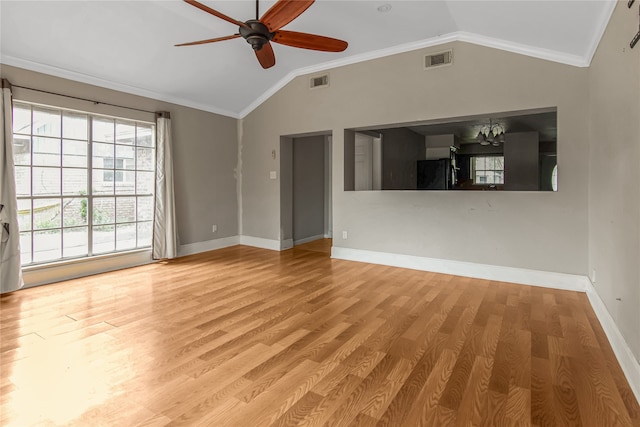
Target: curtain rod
(85, 99)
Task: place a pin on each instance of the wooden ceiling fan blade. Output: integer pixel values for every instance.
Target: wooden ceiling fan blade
(217, 39)
(283, 12)
(215, 13)
(265, 56)
(309, 41)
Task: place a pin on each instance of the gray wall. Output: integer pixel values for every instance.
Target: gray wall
(401, 150)
(614, 178)
(484, 226)
(204, 149)
(308, 187)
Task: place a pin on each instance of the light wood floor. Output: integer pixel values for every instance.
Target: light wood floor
(247, 337)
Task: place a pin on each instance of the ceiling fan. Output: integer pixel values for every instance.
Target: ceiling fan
(260, 32)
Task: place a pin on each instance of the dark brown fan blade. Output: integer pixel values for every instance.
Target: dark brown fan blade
(217, 39)
(283, 12)
(266, 56)
(309, 41)
(215, 13)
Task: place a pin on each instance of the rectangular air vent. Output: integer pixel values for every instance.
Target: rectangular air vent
(319, 81)
(438, 59)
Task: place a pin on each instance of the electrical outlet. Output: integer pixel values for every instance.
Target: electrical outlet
(344, 235)
(214, 228)
(593, 275)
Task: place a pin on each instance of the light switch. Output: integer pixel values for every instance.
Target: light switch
(273, 175)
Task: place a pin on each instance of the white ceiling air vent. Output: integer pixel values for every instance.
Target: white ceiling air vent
(438, 59)
(319, 81)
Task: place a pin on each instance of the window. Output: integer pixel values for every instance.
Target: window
(84, 183)
(488, 170)
(108, 173)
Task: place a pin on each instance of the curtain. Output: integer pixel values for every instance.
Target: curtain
(10, 270)
(165, 232)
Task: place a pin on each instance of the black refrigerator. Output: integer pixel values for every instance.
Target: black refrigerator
(434, 174)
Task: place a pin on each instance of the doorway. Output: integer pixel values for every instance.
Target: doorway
(305, 193)
(368, 162)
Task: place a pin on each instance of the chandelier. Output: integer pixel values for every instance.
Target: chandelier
(491, 134)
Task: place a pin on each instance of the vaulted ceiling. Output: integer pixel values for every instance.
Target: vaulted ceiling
(129, 45)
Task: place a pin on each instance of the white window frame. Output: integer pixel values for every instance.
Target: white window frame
(91, 257)
(474, 170)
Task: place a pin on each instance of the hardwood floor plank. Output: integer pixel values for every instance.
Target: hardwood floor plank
(397, 411)
(358, 399)
(427, 401)
(452, 395)
(318, 415)
(380, 400)
(157, 420)
(199, 410)
(502, 365)
(296, 414)
(517, 405)
(596, 393)
(542, 405)
(470, 409)
(278, 399)
(245, 337)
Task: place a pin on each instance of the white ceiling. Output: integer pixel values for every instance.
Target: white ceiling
(128, 45)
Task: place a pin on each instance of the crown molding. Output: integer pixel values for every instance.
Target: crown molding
(108, 84)
(459, 36)
(599, 30)
(522, 49)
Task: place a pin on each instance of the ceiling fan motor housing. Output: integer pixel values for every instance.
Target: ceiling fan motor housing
(256, 34)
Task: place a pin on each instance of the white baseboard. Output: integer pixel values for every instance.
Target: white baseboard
(286, 244)
(209, 245)
(628, 362)
(308, 239)
(259, 242)
(72, 269)
(571, 282)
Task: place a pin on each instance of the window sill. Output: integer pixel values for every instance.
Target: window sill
(43, 274)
